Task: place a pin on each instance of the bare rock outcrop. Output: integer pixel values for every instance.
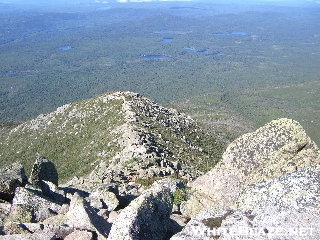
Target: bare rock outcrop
(28, 205)
(266, 186)
(10, 178)
(282, 208)
(147, 217)
(299, 190)
(266, 180)
(223, 223)
(281, 146)
(43, 170)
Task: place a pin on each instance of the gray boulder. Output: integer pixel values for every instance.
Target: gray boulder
(171, 183)
(60, 232)
(281, 146)
(35, 236)
(79, 235)
(43, 170)
(101, 198)
(204, 224)
(147, 217)
(269, 223)
(81, 216)
(299, 190)
(29, 206)
(282, 208)
(4, 212)
(11, 177)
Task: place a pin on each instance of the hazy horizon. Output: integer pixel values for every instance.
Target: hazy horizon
(106, 2)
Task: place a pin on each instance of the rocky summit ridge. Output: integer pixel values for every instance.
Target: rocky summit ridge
(113, 132)
(145, 182)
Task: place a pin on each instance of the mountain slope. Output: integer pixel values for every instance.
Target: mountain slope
(120, 129)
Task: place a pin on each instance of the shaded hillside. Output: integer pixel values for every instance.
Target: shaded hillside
(121, 128)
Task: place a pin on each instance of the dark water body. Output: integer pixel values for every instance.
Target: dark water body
(166, 40)
(9, 73)
(144, 56)
(64, 47)
(240, 33)
(13, 89)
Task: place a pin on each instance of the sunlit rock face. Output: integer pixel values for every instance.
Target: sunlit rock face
(281, 146)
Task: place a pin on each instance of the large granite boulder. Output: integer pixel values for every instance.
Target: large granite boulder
(102, 198)
(11, 177)
(80, 235)
(268, 223)
(281, 146)
(299, 190)
(147, 217)
(287, 207)
(81, 216)
(43, 170)
(28, 205)
(36, 236)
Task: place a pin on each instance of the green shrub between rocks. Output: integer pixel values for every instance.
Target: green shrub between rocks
(180, 195)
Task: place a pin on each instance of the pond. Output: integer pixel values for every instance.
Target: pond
(238, 33)
(13, 89)
(144, 56)
(9, 73)
(64, 47)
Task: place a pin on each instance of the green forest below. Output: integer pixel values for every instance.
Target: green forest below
(249, 63)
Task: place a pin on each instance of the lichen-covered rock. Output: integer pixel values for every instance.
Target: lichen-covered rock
(102, 198)
(10, 178)
(29, 206)
(80, 235)
(4, 212)
(171, 183)
(60, 232)
(299, 190)
(43, 170)
(268, 223)
(52, 191)
(279, 147)
(287, 207)
(201, 226)
(147, 217)
(36, 236)
(191, 207)
(81, 216)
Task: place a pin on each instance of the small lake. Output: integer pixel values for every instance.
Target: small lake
(9, 73)
(239, 33)
(144, 56)
(64, 47)
(14, 89)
